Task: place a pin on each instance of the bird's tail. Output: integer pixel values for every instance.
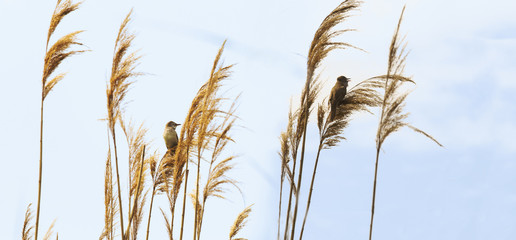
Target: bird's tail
(333, 112)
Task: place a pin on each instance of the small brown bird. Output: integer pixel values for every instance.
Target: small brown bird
(338, 92)
(170, 134)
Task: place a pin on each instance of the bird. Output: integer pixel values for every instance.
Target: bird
(338, 92)
(170, 135)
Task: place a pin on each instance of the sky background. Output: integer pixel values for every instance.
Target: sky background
(462, 56)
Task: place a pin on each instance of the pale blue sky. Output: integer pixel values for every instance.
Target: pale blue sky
(463, 58)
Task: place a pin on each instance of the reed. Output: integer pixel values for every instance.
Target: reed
(54, 56)
(393, 116)
(239, 223)
(27, 226)
(208, 130)
(122, 71)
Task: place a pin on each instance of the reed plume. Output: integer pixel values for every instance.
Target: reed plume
(54, 56)
(322, 44)
(50, 231)
(123, 69)
(392, 113)
(239, 223)
(27, 226)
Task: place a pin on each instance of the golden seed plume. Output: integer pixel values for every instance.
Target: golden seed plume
(392, 114)
(239, 223)
(27, 226)
(61, 10)
(122, 70)
(50, 231)
(59, 51)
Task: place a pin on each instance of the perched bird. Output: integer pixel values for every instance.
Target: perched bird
(170, 134)
(338, 92)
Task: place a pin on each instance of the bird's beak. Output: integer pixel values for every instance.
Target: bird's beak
(178, 124)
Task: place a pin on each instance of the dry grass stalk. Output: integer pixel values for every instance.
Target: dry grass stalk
(239, 223)
(27, 226)
(123, 69)
(392, 113)
(322, 44)
(54, 56)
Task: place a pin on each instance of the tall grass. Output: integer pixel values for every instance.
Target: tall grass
(392, 116)
(54, 56)
(207, 131)
(122, 72)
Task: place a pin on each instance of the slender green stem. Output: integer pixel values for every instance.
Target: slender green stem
(311, 190)
(150, 210)
(40, 166)
(118, 184)
(374, 193)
